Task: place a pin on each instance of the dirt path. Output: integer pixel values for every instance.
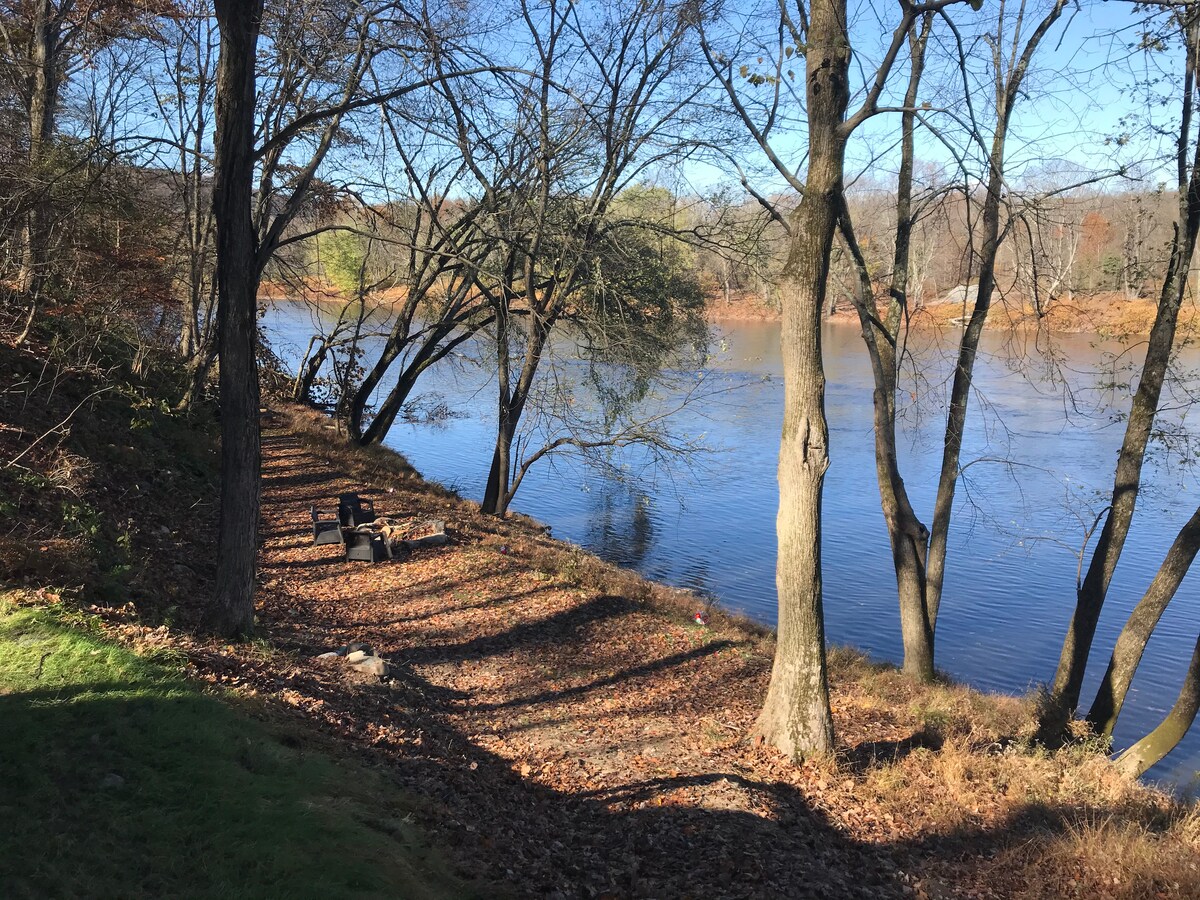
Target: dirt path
(571, 742)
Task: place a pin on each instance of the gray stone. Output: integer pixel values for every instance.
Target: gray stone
(112, 781)
(372, 665)
(963, 293)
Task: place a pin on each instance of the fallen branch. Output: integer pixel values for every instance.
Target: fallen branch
(12, 462)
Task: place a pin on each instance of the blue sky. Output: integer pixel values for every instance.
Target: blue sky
(1088, 85)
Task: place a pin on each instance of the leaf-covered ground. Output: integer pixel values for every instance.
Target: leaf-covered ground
(562, 727)
(576, 735)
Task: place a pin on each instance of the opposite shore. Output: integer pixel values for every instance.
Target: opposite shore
(1107, 313)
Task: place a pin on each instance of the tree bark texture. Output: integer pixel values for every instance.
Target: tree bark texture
(43, 102)
(796, 717)
(1134, 637)
(238, 274)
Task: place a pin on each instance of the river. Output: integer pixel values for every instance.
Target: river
(1040, 448)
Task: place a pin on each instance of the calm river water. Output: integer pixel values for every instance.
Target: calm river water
(1041, 444)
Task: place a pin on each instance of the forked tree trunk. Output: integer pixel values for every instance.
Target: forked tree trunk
(390, 408)
(238, 273)
(1009, 90)
(1163, 739)
(310, 367)
(511, 406)
(796, 717)
(1136, 634)
(908, 536)
(434, 348)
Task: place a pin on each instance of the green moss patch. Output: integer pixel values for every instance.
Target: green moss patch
(120, 778)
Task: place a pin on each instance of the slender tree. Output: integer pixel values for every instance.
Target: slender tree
(601, 109)
(1118, 517)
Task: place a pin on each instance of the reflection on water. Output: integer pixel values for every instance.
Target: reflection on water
(1039, 451)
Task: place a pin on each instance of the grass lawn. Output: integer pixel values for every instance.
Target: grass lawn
(120, 778)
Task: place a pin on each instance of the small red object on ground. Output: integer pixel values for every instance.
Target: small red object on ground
(701, 618)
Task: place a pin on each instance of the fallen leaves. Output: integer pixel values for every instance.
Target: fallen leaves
(567, 740)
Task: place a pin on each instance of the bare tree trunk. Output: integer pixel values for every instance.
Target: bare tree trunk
(238, 273)
(1091, 593)
(1134, 637)
(43, 101)
(198, 370)
(432, 351)
(1163, 739)
(511, 403)
(1007, 93)
(908, 536)
(310, 366)
(795, 716)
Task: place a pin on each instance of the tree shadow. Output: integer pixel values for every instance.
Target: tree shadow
(629, 674)
(559, 627)
(715, 833)
(868, 755)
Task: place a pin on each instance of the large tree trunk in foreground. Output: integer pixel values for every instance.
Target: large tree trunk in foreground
(238, 273)
(796, 717)
(1163, 739)
(43, 101)
(1136, 634)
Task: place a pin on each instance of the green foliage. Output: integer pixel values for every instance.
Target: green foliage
(643, 312)
(124, 779)
(342, 257)
(81, 520)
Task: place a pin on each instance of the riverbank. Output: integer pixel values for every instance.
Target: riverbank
(1109, 314)
(587, 734)
(563, 726)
